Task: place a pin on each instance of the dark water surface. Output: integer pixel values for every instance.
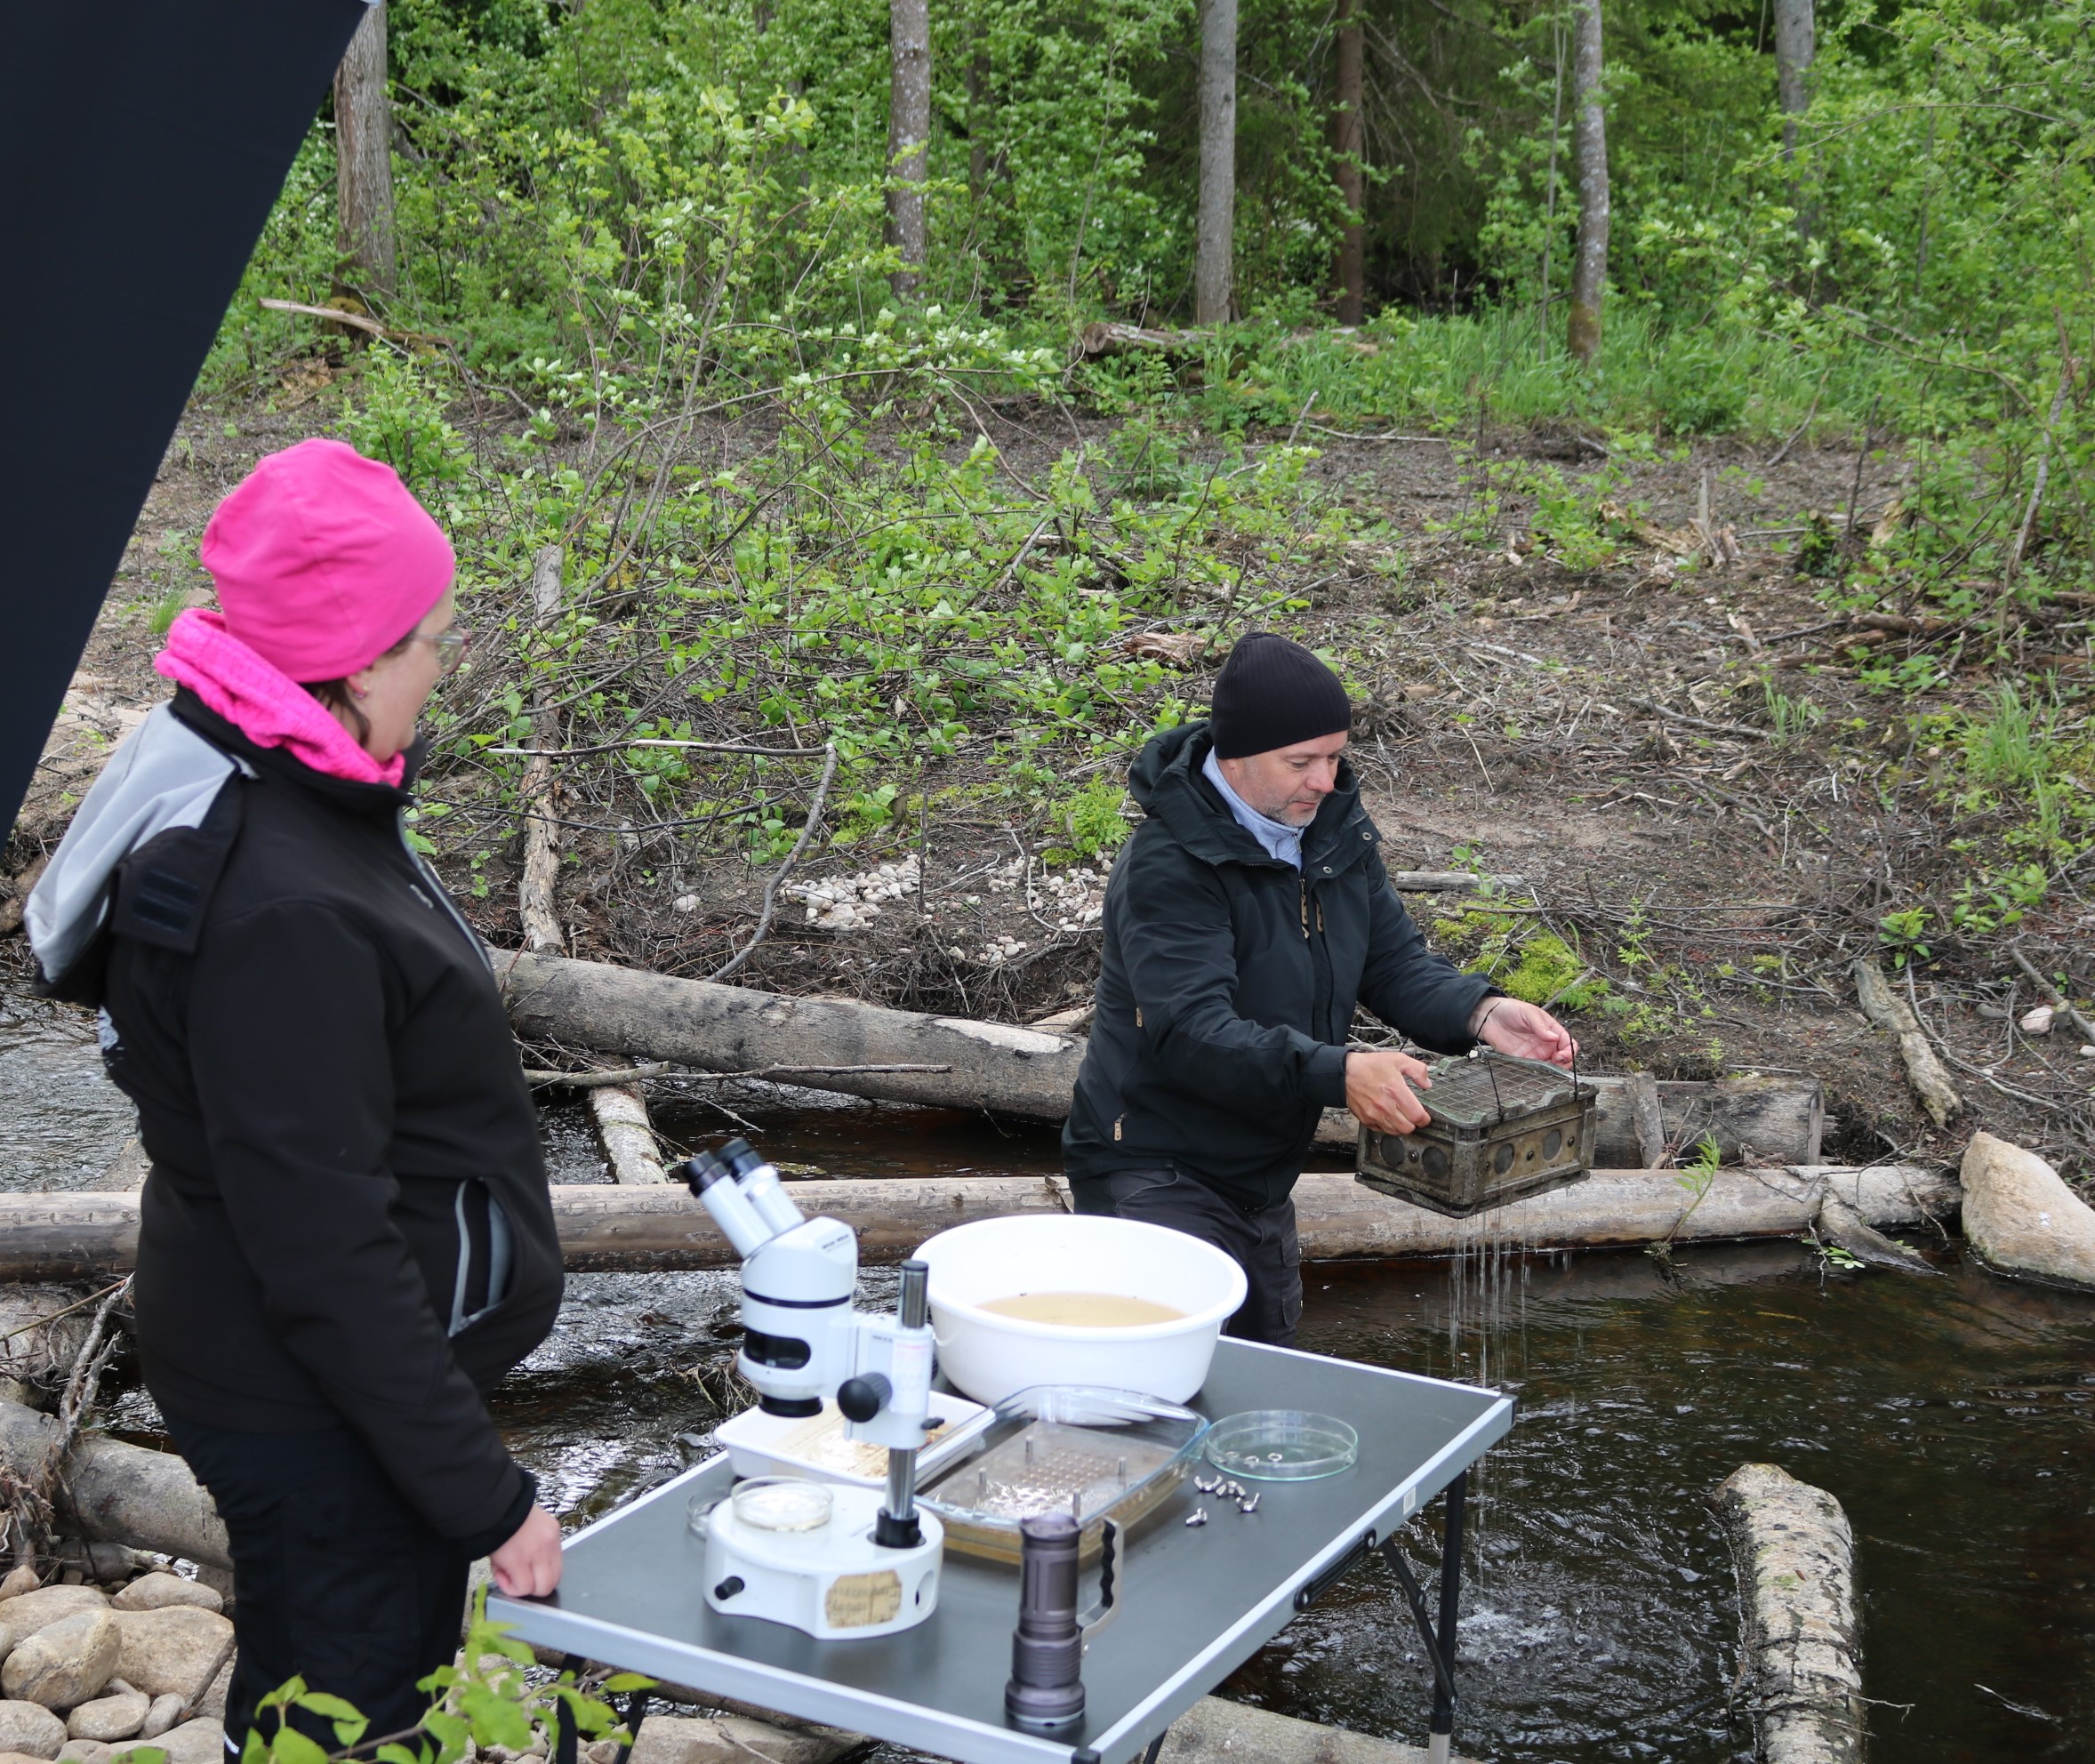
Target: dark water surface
(61, 1122)
(1954, 1419)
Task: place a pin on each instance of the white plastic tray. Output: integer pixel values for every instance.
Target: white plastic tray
(769, 1444)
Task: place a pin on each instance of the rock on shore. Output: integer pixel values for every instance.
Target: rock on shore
(175, 1650)
(30, 1729)
(64, 1663)
(2021, 1219)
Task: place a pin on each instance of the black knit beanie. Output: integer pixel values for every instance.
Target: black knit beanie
(1272, 692)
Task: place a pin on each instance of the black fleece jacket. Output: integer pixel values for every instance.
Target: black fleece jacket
(1228, 980)
(347, 1221)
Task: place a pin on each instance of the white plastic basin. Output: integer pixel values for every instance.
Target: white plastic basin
(988, 1356)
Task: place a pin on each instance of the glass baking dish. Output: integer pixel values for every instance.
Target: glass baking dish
(1091, 1453)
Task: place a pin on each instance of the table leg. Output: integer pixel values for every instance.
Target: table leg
(564, 1736)
(1156, 1748)
(1439, 1637)
(1443, 1726)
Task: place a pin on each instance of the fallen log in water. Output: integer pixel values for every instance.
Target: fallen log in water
(113, 1493)
(902, 1056)
(1801, 1666)
(603, 1227)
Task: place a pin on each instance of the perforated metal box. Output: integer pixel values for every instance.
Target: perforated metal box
(1500, 1128)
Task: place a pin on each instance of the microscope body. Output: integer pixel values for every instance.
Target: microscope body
(871, 1567)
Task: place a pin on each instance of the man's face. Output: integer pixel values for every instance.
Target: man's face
(1286, 783)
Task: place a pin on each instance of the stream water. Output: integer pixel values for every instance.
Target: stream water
(1954, 1419)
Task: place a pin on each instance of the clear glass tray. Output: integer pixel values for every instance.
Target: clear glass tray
(1092, 1454)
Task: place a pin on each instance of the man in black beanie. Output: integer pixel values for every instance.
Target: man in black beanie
(1246, 917)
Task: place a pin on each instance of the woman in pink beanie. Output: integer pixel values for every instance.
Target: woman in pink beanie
(346, 1239)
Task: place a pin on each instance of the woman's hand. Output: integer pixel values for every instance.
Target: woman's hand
(528, 1565)
(1526, 1031)
(1376, 1090)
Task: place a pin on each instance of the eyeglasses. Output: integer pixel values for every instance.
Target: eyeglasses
(451, 647)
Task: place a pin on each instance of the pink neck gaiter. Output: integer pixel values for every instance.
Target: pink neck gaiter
(264, 704)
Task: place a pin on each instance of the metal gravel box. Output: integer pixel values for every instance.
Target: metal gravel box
(1501, 1128)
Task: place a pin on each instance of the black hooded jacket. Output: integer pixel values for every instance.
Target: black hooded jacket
(347, 1221)
(1228, 982)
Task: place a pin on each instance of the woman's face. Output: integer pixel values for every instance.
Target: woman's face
(392, 690)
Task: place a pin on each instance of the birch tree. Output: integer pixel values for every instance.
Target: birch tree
(909, 135)
(363, 161)
(1589, 139)
(1348, 261)
(1214, 234)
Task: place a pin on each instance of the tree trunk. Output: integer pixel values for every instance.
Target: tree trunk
(113, 1493)
(909, 134)
(1794, 45)
(1589, 268)
(1801, 1664)
(605, 1227)
(363, 161)
(957, 1064)
(1348, 261)
(978, 116)
(1214, 238)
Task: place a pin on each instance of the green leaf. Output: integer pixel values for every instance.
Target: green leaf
(290, 1746)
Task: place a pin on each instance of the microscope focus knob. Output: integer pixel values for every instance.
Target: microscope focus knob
(861, 1399)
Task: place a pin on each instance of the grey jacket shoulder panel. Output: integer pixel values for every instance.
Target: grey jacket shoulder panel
(164, 775)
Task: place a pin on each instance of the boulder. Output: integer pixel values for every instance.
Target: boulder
(29, 1612)
(734, 1739)
(64, 1663)
(1215, 1732)
(199, 1742)
(16, 1582)
(23, 1758)
(163, 1713)
(158, 1592)
(212, 1703)
(177, 1650)
(2021, 1219)
(30, 1728)
(86, 1751)
(110, 1717)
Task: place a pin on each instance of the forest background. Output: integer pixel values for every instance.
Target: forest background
(926, 394)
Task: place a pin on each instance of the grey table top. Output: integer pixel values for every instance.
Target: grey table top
(1196, 1602)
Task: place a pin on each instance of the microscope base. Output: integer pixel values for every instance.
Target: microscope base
(833, 1583)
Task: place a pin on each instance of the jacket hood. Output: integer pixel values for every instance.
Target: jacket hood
(164, 774)
(168, 773)
(1166, 780)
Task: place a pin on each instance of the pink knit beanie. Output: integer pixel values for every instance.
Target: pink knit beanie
(324, 560)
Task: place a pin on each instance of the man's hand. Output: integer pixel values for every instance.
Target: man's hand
(528, 1565)
(1377, 1093)
(1527, 1031)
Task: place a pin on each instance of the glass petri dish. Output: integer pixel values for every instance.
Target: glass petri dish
(698, 1512)
(781, 1504)
(1283, 1445)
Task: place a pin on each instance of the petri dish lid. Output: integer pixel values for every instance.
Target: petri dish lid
(1283, 1445)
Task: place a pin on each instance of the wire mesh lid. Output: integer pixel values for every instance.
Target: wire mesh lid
(1481, 1089)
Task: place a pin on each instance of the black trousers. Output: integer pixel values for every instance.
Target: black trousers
(335, 1579)
(1261, 1241)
